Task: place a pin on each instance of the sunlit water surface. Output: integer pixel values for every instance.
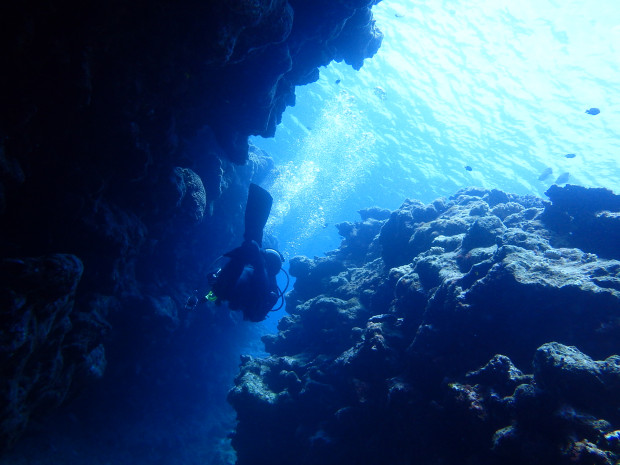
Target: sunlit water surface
(500, 87)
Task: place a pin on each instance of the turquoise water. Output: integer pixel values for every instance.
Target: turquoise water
(501, 87)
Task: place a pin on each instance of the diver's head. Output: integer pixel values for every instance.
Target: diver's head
(273, 261)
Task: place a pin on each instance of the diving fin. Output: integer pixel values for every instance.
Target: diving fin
(257, 212)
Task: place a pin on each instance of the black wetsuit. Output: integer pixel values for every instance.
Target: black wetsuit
(244, 281)
(245, 284)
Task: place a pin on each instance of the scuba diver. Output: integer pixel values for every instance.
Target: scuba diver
(248, 281)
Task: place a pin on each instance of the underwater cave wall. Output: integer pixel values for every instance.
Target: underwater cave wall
(123, 147)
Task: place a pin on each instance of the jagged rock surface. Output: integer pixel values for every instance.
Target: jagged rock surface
(447, 333)
(44, 342)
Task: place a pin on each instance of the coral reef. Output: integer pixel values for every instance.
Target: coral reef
(464, 331)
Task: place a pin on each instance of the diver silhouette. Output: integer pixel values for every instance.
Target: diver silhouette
(248, 281)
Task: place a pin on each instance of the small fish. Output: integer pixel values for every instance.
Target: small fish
(380, 92)
(570, 155)
(563, 178)
(545, 174)
(399, 15)
(593, 111)
(468, 168)
(337, 81)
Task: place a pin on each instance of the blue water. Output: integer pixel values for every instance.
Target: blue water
(501, 87)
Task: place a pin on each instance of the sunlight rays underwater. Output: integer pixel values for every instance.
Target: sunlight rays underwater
(328, 164)
(501, 88)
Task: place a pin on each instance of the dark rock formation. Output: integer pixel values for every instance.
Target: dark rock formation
(454, 334)
(576, 378)
(584, 218)
(123, 141)
(567, 414)
(44, 343)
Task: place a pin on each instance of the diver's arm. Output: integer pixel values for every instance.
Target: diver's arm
(248, 253)
(228, 276)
